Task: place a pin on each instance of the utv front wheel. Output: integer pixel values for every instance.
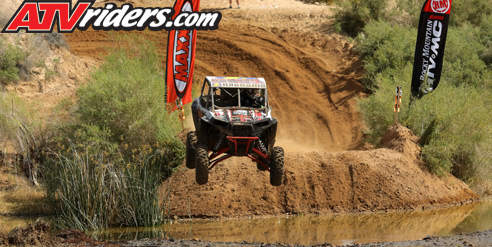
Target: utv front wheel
(191, 142)
(201, 172)
(277, 166)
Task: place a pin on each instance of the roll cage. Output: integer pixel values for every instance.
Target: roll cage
(228, 94)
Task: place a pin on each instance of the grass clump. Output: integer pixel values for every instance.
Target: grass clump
(22, 132)
(89, 191)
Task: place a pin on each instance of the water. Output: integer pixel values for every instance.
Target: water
(334, 229)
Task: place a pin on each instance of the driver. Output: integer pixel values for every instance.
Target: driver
(252, 98)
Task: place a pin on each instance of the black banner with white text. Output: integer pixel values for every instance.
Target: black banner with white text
(429, 51)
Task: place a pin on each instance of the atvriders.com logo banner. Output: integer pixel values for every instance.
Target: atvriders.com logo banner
(41, 17)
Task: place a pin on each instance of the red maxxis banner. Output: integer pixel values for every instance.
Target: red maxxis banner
(181, 57)
(429, 51)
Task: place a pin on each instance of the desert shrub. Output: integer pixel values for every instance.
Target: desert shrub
(125, 98)
(407, 12)
(487, 56)
(11, 59)
(355, 14)
(486, 37)
(90, 136)
(463, 64)
(460, 121)
(471, 11)
(122, 107)
(486, 30)
(384, 47)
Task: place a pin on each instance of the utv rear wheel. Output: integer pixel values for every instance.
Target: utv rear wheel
(191, 142)
(277, 166)
(201, 172)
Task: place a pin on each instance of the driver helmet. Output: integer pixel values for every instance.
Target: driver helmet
(253, 92)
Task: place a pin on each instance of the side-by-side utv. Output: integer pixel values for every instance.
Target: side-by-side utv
(232, 117)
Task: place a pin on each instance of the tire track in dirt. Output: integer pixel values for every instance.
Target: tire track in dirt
(315, 108)
(295, 78)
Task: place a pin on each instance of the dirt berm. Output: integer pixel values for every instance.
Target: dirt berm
(385, 179)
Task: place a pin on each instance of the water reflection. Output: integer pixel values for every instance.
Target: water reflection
(335, 229)
(479, 220)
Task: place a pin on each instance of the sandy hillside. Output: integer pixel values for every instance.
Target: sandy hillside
(53, 72)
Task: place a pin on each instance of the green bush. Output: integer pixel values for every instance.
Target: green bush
(461, 117)
(453, 123)
(463, 63)
(487, 56)
(384, 47)
(377, 109)
(407, 12)
(11, 58)
(471, 11)
(355, 14)
(125, 98)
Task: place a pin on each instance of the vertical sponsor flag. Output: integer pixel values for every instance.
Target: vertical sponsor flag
(429, 51)
(181, 58)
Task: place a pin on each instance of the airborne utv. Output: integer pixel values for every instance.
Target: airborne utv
(232, 117)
